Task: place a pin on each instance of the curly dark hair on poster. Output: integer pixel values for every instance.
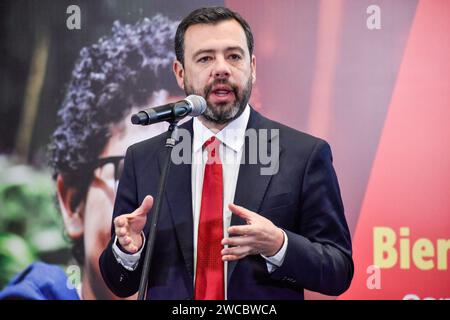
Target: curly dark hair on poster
(117, 73)
(110, 77)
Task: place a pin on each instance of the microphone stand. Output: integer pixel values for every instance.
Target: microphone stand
(170, 143)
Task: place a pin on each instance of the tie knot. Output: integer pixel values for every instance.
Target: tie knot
(212, 147)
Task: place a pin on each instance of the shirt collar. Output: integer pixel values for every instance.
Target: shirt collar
(232, 135)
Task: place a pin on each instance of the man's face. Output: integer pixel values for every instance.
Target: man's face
(217, 66)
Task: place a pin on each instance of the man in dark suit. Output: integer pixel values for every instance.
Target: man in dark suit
(229, 229)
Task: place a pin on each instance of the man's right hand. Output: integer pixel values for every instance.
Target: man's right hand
(128, 227)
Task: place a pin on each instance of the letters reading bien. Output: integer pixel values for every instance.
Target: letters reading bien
(389, 250)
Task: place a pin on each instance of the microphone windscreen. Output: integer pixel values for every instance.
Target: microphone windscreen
(198, 104)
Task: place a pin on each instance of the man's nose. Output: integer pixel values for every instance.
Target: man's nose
(221, 69)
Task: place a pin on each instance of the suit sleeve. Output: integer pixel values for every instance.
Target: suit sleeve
(319, 254)
(122, 282)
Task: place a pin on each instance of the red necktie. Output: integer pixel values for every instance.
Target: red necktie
(209, 277)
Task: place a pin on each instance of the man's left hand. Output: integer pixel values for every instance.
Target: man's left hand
(258, 236)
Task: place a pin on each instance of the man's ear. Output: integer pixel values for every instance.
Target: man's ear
(253, 63)
(178, 70)
(71, 212)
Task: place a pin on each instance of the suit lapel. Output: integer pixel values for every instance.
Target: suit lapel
(251, 185)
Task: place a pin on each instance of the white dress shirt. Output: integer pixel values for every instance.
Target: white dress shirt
(230, 152)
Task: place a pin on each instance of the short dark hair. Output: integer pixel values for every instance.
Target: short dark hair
(209, 15)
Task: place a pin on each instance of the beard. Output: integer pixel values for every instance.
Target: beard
(225, 112)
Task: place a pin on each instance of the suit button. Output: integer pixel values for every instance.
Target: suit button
(288, 279)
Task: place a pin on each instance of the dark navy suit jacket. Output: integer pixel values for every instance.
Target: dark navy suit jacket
(302, 198)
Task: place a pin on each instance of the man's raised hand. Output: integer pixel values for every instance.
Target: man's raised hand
(258, 236)
(128, 227)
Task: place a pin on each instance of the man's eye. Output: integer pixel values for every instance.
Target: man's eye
(235, 57)
(204, 59)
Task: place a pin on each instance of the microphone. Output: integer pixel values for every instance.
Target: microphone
(192, 105)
